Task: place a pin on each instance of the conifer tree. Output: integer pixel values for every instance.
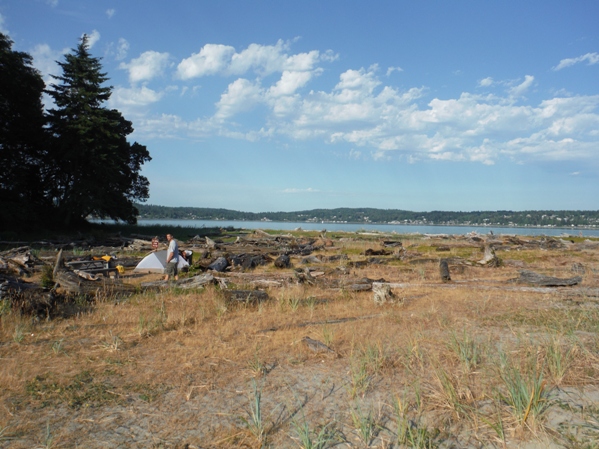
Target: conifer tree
(93, 169)
(22, 139)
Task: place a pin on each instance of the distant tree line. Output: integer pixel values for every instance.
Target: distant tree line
(60, 165)
(564, 218)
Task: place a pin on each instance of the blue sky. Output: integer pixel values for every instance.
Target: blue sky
(282, 106)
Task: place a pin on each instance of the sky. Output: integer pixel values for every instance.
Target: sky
(263, 106)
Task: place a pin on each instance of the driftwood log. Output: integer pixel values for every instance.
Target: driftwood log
(532, 278)
(317, 347)
(71, 283)
(586, 292)
(249, 296)
(283, 261)
(220, 264)
(198, 281)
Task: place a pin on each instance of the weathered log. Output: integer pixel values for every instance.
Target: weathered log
(283, 261)
(376, 252)
(311, 259)
(358, 287)
(303, 275)
(322, 322)
(585, 292)
(266, 283)
(249, 296)
(58, 265)
(444, 270)
(198, 281)
(211, 244)
(105, 287)
(317, 346)
(532, 278)
(219, 264)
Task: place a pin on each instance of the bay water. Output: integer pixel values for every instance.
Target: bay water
(375, 228)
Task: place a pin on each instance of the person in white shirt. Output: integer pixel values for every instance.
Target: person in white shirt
(172, 258)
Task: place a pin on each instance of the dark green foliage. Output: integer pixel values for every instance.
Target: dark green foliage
(370, 215)
(47, 279)
(22, 138)
(93, 168)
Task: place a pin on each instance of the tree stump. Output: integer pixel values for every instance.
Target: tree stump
(489, 259)
(382, 294)
(444, 270)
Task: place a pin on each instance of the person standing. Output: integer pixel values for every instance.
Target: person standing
(172, 258)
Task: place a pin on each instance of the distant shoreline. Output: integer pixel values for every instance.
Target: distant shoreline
(358, 223)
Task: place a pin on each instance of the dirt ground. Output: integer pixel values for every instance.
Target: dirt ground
(472, 363)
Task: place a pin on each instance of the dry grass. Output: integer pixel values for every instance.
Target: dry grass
(169, 368)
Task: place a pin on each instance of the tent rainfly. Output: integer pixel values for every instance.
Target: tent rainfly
(156, 263)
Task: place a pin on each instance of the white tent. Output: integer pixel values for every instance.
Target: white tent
(156, 262)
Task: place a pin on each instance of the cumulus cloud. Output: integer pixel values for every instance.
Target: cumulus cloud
(520, 89)
(374, 118)
(44, 59)
(486, 82)
(128, 98)
(122, 49)
(150, 64)
(590, 58)
(241, 96)
(213, 59)
(110, 13)
(289, 83)
(294, 190)
(93, 38)
(390, 70)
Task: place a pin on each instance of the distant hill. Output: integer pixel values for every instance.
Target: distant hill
(533, 218)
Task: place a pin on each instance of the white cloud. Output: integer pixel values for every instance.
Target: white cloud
(289, 83)
(110, 13)
(591, 58)
(241, 96)
(93, 38)
(213, 59)
(486, 82)
(355, 154)
(390, 70)
(122, 49)
(294, 190)
(44, 59)
(127, 98)
(52, 3)
(150, 64)
(520, 89)
(374, 118)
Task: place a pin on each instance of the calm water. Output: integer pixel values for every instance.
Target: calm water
(353, 227)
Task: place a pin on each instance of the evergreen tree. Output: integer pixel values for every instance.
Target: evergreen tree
(93, 168)
(22, 139)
